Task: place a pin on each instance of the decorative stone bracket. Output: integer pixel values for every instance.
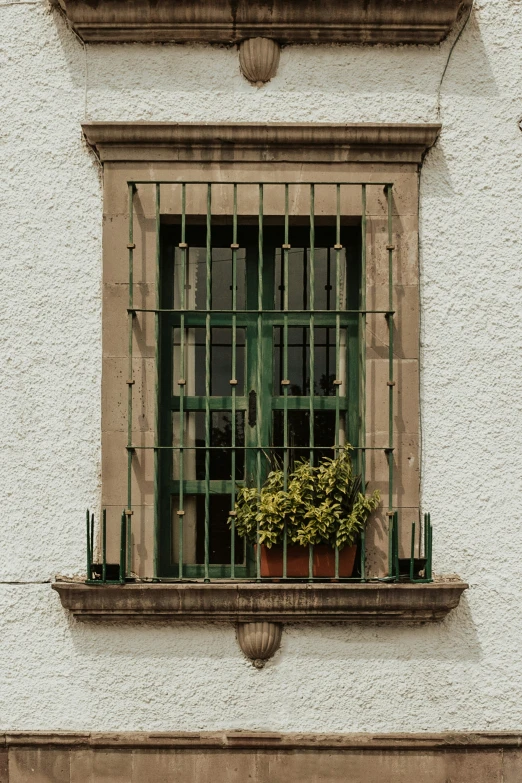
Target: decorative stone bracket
(259, 28)
(258, 610)
(259, 641)
(259, 58)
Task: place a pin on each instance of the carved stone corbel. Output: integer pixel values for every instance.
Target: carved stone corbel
(259, 59)
(259, 641)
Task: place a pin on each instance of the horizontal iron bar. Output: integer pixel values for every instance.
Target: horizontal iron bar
(268, 580)
(198, 403)
(256, 312)
(250, 182)
(258, 448)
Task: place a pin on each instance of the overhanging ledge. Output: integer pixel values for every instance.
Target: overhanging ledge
(247, 602)
(264, 142)
(285, 21)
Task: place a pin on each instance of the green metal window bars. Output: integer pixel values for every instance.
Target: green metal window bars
(252, 335)
(416, 568)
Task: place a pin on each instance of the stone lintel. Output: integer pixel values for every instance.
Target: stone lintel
(247, 602)
(264, 142)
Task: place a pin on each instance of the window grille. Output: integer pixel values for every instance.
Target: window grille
(260, 335)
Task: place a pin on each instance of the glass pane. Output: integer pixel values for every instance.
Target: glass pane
(325, 273)
(221, 362)
(195, 278)
(299, 361)
(221, 278)
(194, 365)
(298, 438)
(188, 520)
(193, 522)
(220, 459)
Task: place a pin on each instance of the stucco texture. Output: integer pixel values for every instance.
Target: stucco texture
(462, 674)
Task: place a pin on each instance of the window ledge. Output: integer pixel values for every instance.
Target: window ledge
(248, 602)
(285, 21)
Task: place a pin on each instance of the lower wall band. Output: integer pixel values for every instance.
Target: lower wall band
(260, 758)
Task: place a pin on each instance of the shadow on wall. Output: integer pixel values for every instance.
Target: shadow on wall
(125, 80)
(453, 640)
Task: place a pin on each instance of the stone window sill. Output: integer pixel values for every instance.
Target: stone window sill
(248, 602)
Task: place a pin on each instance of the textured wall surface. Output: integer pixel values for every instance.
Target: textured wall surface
(463, 674)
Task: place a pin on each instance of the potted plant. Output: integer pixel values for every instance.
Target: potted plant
(322, 506)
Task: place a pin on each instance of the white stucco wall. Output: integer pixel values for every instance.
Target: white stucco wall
(465, 673)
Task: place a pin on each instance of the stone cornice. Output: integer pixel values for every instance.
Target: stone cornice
(286, 21)
(382, 142)
(246, 602)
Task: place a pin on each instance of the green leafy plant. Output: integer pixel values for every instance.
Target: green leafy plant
(322, 504)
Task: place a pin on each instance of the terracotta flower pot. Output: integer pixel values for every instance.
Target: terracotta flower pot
(297, 561)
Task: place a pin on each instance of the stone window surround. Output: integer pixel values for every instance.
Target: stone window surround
(289, 152)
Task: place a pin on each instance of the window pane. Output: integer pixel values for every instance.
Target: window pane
(298, 437)
(220, 460)
(193, 522)
(299, 361)
(325, 274)
(220, 361)
(221, 278)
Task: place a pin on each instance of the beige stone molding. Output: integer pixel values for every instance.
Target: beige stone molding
(248, 602)
(259, 757)
(269, 142)
(451, 740)
(285, 21)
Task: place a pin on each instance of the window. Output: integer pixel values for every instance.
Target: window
(259, 360)
(162, 441)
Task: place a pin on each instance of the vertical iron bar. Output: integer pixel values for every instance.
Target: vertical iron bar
(412, 553)
(92, 544)
(123, 546)
(259, 364)
(183, 284)
(104, 545)
(390, 544)
(130, 374)
(285, 373)
(207, 379)
(234, 386)
(396, 544)
(337, 319)
(89, 559)
(429, 544)
(390, 346)
(363, 555)
(362, 346)
(337, 339)
(311, 388)
(156, 417)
